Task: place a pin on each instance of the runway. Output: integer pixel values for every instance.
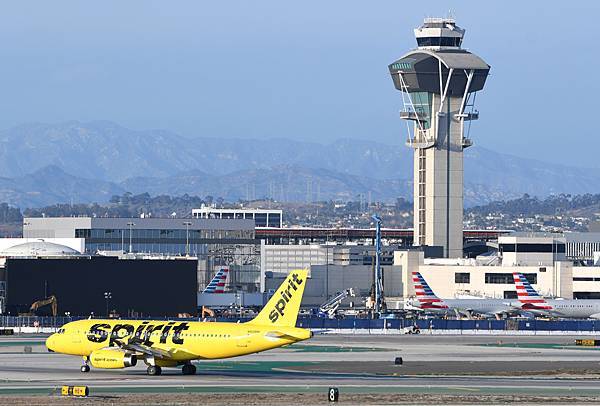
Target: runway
(432, 365)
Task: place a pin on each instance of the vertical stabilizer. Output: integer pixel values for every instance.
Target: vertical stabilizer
(425, 295)
(217, 284)
(527, 294)
(282, 309)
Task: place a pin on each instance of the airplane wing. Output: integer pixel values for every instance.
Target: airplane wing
(136, 345)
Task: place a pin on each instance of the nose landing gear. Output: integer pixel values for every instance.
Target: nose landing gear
(85, 367)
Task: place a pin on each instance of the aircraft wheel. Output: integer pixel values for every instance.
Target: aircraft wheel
(188, 369)
(85, 368)
(154, 370)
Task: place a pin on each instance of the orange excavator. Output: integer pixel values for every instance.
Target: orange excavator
(207, 312)
(51, 300)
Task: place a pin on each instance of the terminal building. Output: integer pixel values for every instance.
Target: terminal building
(213, 243)
(261, 217)
(583, 247)
(168, 236)
(541, 258)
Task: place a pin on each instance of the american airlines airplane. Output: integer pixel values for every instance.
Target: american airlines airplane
(427, 301)
(532, 302)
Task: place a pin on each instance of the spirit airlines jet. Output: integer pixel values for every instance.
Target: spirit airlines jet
(217, 284)
(115, 344)
(533, 303)
(429, 302)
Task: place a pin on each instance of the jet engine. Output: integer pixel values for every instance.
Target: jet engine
(112, 359)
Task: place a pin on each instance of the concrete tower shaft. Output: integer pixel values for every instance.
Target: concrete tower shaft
(438, 81)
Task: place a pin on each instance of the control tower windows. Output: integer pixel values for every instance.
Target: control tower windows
(422, 104)
(439, 41)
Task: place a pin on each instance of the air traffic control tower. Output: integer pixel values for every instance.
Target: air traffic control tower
(439, 81)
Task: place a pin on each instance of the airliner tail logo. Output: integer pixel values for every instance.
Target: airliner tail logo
(426, 297)
(527, 294)
(217, 284)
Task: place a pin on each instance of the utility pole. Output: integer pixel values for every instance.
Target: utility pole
(107, 297)
(130, 224)
(378, 305)
(187, 225)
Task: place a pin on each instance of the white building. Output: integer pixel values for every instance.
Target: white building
(583, 246)
(540, 258)
(261, 217)
(523, 249)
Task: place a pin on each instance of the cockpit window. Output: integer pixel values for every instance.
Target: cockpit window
(61, 331)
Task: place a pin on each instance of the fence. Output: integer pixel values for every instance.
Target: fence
(442, 324)
(366, 324)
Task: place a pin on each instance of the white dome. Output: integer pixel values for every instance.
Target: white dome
(38, 249)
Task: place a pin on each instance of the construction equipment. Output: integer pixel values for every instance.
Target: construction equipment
(330, 307)
(207, 312)
(51, 300)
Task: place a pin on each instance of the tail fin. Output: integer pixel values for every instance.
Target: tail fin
(425, 295)
(422, 289)
(282, 309)
(217, 284)
(525, 292)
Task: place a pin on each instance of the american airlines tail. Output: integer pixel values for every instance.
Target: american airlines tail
(217, 284)
(527, 295)
(427, 299)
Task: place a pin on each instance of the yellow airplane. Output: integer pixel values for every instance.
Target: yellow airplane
(121, 343)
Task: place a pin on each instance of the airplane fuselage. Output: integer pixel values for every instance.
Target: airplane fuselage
(183, 340)
(576, 309)
(470, 306)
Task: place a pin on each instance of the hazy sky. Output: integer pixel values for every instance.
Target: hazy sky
(312, 70)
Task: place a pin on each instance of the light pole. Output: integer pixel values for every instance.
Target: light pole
(107, 297)
(187, 225)
(130, 224)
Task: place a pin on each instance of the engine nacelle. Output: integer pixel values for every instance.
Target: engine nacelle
(112, 359)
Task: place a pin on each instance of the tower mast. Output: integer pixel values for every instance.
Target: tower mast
(438, 80)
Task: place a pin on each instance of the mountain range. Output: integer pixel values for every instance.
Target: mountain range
(42, 164)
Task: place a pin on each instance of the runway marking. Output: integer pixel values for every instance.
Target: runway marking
(466, 389)
(333, 348)
(547, 346)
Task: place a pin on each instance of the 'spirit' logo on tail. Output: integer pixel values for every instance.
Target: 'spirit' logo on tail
(286, 295)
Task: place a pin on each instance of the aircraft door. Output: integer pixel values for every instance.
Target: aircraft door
(76, 337)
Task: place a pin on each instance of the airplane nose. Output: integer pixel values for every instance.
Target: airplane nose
(50, 343)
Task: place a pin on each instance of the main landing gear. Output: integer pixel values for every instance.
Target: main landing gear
(85, 367)
(188, 369)
(154, 370)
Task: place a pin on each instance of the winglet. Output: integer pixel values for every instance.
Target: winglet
(282, 309)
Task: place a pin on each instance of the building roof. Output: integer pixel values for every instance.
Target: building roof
(39, 248)
(455, 59)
